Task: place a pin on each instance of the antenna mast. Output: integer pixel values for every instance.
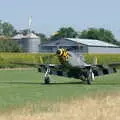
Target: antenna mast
(29, 24)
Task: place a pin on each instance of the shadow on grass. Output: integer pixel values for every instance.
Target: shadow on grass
(28, 83)
(64, 83)
(61, 83)
(39, 83)
(116, 84)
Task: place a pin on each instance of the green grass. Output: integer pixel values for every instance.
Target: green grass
(19, 87)
(7, 58)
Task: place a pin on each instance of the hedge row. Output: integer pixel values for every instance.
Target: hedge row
(18, 59)
(10, 59)
(103, 58)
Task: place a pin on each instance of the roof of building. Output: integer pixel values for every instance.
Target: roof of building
(18, 36)
(92, 42)
(30, 35)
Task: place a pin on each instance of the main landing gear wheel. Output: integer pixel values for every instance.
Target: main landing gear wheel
(47, 80)
(47, 77)
(90, 77)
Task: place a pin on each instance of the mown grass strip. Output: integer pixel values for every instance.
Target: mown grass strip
(21, 87)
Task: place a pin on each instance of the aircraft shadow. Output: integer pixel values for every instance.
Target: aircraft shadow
(27, 83)
(85, 83)
(117, 84)
(61, 83)
(64, 83)
(39, 83)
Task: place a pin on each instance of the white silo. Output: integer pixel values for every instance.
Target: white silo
(31, 43)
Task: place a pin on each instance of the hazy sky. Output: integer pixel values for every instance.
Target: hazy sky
(50, 15)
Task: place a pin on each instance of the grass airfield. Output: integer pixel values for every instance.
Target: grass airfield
(23, 96)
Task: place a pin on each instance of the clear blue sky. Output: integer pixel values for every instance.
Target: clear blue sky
(50, 15)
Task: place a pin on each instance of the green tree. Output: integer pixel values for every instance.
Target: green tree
(99, 34)
(7, 45)
(43, 37)
(1, 28)
(7, 29)
(64, 33)
(25, 31)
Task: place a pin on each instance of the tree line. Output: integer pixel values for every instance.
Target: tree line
(7, 31)
(91, 33)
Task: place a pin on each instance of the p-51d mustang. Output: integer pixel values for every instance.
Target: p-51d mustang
(73, 65)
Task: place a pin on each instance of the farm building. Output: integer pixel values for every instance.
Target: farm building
(29, 42)
(80, 45)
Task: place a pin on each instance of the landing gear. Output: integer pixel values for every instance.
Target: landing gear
(47, 77)
(47, 80)
(90, 76)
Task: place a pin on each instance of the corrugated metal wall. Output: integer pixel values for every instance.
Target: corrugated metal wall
(76, 46)
(104, 50)
(31, 44)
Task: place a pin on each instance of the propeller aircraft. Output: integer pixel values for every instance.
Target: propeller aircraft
(74, 65)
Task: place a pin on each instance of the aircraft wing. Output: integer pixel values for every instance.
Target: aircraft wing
(115, 64)
(25, 64)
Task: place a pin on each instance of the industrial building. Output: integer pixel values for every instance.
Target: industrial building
(80, 45)
(29, 43)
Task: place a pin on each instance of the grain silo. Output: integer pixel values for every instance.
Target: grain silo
(31, 43)
(18, 37)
